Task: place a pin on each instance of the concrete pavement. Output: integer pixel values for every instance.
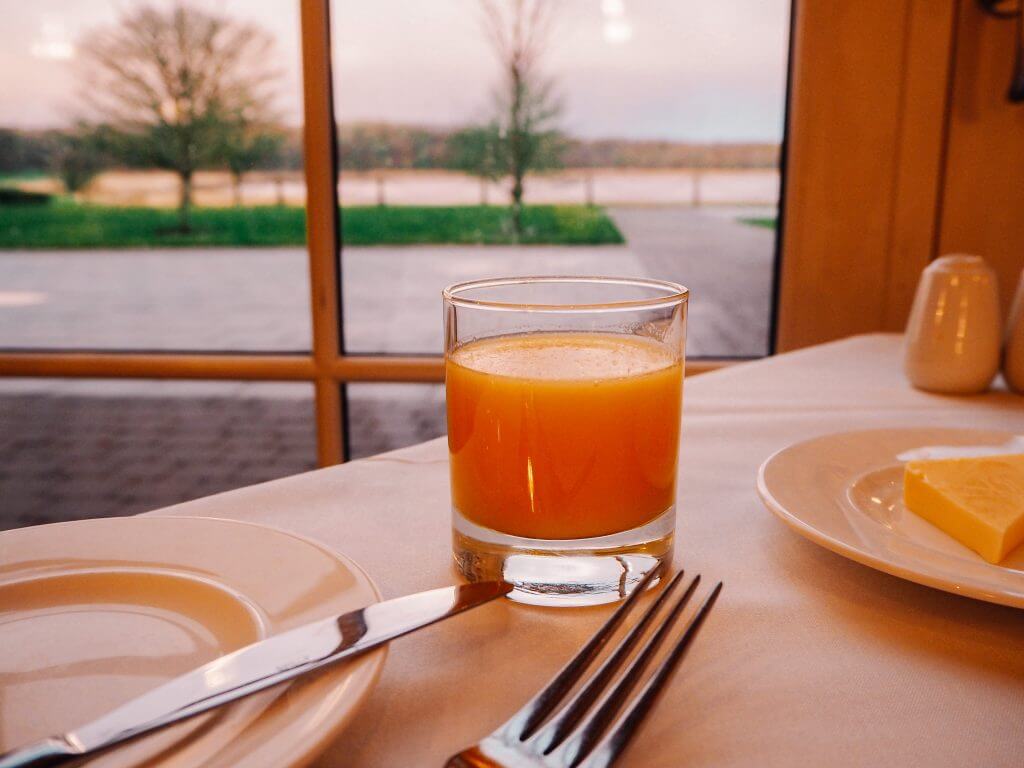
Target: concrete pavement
(72, 449)
(258, 299)
(727, 265)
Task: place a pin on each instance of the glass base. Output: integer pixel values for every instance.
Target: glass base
(564, 572)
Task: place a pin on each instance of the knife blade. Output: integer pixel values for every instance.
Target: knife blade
(255, 668)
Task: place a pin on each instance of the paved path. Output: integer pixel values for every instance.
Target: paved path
(727, 265)
(258, 299)
(73, 449)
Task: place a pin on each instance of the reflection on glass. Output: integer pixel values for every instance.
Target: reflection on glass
(622, 137)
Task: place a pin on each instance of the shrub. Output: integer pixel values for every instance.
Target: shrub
(15, 196)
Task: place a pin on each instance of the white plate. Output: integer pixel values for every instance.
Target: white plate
(845, 492)
(95, 612)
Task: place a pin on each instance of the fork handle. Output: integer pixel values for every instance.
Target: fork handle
(47, 753)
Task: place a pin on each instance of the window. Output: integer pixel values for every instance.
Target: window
(655, 129)
(656, 154)
(150, 229)
(99, 256)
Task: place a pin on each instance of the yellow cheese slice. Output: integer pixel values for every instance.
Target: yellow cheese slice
(978, 501)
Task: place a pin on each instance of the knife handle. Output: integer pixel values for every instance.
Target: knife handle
(47, 753)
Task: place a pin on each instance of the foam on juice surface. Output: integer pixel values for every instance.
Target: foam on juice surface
(565, 356)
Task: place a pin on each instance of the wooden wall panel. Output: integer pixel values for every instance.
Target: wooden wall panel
(865, 136)
(983, 201)
(918, 166)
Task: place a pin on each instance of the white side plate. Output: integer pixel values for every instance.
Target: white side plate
(845, 492)
(96, 612)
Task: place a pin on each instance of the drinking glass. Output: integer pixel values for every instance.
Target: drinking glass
(564, 407)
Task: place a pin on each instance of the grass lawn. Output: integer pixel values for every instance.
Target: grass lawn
(64, 224)
(766, 223)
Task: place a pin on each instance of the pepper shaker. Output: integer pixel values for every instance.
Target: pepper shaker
(954, 334)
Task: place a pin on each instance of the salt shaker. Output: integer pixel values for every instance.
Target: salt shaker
(1013, 354)
(954, 336)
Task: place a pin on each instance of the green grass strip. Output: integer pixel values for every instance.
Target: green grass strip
(65, 224)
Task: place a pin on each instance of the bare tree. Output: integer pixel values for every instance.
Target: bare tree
(171, 82)
(519, 32)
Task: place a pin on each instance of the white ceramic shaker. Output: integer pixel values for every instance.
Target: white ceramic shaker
(1013, 354)
(954, 335)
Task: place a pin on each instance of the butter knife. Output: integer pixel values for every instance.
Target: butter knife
(255, 668)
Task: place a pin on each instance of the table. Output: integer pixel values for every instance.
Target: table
(808, 659)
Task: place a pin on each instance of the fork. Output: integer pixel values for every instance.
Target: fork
(572, 737)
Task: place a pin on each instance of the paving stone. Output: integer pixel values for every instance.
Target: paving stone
(69, 457)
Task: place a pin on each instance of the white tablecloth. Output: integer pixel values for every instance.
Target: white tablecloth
(808, 659)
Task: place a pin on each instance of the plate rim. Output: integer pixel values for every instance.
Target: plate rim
(332, 728)
(318, 734)
(858, 555)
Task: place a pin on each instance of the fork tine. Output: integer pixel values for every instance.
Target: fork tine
(624, 729)
(555, 732)
(590, 732)
(524, 722)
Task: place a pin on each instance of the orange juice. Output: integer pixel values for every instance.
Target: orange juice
(563, 435)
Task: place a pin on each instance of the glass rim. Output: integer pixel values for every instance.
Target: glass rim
(674, 293)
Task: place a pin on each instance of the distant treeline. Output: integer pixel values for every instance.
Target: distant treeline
(371, 146)
(367, 146)
(24, 151)
(622, 153)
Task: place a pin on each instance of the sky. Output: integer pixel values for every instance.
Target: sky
(688, 70)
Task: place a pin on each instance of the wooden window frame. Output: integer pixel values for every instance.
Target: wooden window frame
(326, 365)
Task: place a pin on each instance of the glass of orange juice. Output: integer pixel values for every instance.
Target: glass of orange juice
(564, 400)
